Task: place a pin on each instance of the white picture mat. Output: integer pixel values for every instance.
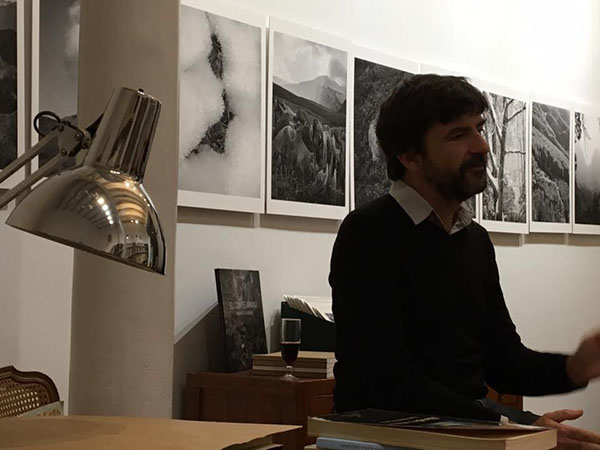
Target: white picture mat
(549, 227)
(220, 201)
(291, 208)
(223, 201)
(383, 59)
(19, 175)
(350, 133)
(579, 228)
(494, 225)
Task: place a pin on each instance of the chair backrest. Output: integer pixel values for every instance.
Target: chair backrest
(23, 391)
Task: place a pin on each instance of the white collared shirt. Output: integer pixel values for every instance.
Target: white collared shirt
(419, 209)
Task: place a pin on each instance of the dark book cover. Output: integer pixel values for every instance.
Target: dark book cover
(398, 419)
(240, 307)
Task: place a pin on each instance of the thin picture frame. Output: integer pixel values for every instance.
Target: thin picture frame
(22, 141)
(35, 74)
(581, 228)
(541, 226)
(495, 225)
(297, 208)
(438, 70)
(384, 59)
(220, 201)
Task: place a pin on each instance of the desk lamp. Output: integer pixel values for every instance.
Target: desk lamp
(100, 205)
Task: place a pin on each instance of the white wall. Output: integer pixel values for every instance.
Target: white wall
(544, 46)
(551, 290)
(35, 305)
(289, 261)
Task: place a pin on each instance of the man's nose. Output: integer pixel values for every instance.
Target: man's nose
(480, 144)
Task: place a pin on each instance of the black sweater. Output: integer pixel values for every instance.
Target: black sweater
(421, 321)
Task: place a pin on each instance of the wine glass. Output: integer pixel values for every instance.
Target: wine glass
(290, 344)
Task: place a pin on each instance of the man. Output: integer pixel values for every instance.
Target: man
(421, 320)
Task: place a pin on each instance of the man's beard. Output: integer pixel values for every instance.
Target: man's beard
(461, 185)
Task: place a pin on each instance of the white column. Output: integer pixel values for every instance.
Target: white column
(122, 319)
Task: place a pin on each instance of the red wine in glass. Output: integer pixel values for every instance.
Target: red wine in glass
(290, 344)
(289, 352)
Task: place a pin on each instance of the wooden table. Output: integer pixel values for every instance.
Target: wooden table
(102, 433)
(243, 397)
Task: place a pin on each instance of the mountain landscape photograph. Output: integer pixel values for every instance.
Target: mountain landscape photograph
(550, 171)
(308, 135)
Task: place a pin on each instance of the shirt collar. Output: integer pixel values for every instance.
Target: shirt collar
(418, 209)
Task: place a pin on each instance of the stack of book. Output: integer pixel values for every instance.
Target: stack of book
(308, 364)
(372, 429)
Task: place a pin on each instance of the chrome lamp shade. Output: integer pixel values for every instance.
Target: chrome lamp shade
(101, 206)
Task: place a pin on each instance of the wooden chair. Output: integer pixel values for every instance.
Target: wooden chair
(23, 391)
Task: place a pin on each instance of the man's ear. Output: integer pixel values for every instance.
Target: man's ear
(411, 159)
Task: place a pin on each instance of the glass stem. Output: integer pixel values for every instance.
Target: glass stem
(288, 371)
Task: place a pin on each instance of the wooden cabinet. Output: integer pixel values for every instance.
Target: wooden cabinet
(243, 397)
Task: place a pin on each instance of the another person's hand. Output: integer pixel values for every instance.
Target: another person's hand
(584, 365)
(569, 437)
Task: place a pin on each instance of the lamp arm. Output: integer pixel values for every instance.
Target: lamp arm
(70, 141)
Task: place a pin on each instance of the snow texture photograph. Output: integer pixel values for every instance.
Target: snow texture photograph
(505, 197)
(373, 84)
(587, 168)
(58, 58)
(308, 146)
(550, 171)
(8, 82)
(220, 150)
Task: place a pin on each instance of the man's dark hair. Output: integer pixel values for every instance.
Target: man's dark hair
(415, 105)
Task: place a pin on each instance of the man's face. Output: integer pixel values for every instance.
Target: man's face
(454, 157)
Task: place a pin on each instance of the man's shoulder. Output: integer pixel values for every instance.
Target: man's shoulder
(475, 227)
(478, 233)
(384, 209)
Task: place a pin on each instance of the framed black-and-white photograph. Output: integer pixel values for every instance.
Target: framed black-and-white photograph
(12, 82)
(504, 202)
(54, 66)
(375, 77)
(307, 145)
(474, 203)
(586, 158)
(550, 166)
(222, 57)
